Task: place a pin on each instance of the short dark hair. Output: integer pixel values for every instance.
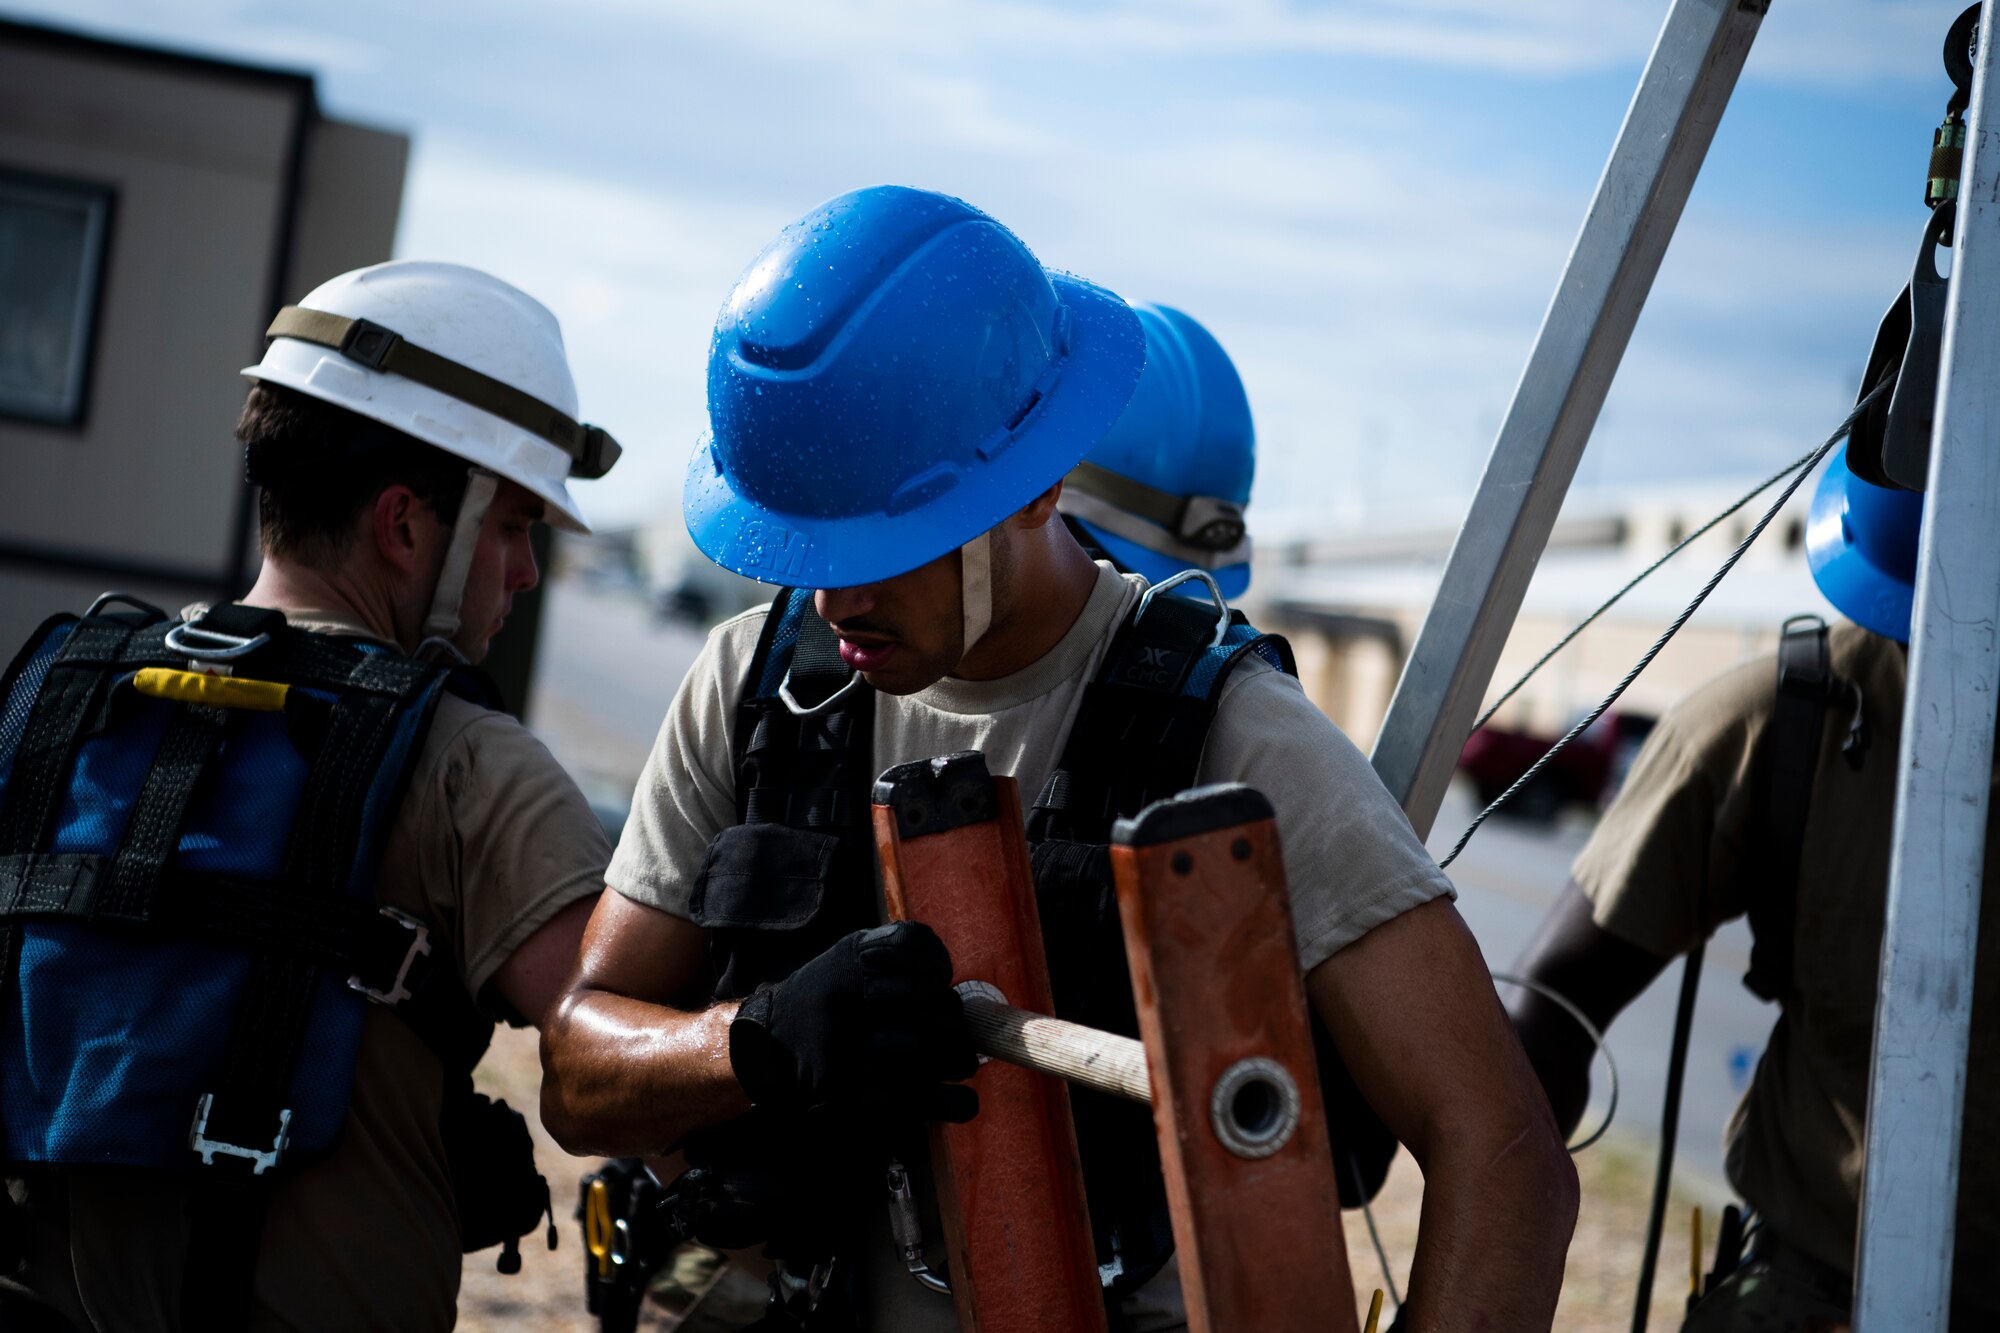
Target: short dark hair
(320, 465)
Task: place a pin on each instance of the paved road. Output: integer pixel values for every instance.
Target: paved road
(607, 672)
(604, 674)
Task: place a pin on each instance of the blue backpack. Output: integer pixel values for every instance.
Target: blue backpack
(191, 815)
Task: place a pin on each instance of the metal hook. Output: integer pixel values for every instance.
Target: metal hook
(797, 709)
(1214, 593)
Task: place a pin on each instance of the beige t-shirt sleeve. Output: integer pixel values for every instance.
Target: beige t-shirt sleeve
(504, 837)
(1352, 861)
(687, 790)
(1664, 867)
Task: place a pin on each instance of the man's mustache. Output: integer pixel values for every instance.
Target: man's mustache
(863, 625)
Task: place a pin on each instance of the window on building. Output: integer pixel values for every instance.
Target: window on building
(52, 244)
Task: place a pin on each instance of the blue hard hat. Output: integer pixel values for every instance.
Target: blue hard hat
(893, 376)
(1861, 541)
(1164, 490)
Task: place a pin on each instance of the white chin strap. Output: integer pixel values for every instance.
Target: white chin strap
(975, 563)
(441, 626)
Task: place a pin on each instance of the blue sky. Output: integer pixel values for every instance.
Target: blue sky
(1367, 201)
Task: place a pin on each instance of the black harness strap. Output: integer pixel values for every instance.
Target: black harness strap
(270, 1022)
(248, 1107)
(1798, 721)
(153, 829)
(805, 771)
(1137, 737)
(817, 673)
(77, 681)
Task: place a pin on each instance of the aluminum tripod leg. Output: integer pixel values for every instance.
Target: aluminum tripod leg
(1930, 938)
(1666, 134)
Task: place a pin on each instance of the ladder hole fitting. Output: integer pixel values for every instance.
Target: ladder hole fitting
(1240, 849)
(1183, 863)
(1254, 1107)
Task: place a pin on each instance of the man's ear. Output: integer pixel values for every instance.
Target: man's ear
(1038, 511)
(395, 524)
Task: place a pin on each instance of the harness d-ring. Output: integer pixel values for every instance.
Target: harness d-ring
(210, 645)
(1214, 592)
(797, 709)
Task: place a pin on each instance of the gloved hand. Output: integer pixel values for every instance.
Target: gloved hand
(873, 1022)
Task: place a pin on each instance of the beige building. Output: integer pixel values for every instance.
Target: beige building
(155, 210)
(1353, 606)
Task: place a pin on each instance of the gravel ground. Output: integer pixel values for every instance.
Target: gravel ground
(1597, 1288)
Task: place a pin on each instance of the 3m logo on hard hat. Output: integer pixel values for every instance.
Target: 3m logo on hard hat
(771, 547)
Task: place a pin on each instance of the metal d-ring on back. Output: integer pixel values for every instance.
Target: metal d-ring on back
(1214, 592)
(212, 645)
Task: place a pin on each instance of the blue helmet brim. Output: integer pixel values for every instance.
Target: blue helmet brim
(1106, 353)
(1875, 599)
(1234, 580)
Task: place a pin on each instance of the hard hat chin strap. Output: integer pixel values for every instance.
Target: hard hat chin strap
(441, 625)
(975, 564)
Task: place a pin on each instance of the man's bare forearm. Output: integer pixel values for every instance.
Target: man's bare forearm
(625, 1077)
(1414, 1016)
(1496, 1224)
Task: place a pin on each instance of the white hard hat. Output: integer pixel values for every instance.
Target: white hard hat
(453, 357)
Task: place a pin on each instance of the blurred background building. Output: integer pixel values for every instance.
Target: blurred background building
(155, 211)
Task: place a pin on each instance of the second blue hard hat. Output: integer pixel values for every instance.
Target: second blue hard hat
(1861, 543)
(1164, 490)
(893, 376)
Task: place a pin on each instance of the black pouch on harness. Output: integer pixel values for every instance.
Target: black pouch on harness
(763, 894)
(491, 1157)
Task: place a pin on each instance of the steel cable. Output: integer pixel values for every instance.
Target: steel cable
(1799, 471)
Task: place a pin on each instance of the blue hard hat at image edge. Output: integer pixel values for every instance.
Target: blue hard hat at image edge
(1187, 429)
(1233, 580)
(1186, 432)
(891, 377)
(1861, 544)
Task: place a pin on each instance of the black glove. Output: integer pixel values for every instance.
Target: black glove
(872, 1022)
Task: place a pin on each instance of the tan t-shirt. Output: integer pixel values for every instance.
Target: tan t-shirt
(491, 841)
(1671, 861)
(1350, 857)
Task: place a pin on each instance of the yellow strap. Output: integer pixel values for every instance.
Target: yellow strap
(1374, 1312)
(1694, 1256)
(597, 1226)
(188, 687)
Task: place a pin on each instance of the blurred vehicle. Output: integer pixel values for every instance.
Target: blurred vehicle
(687, 587)
(1589, 770)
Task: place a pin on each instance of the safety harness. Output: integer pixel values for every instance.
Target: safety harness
(797, 873)
(191, 818)
(1806, 688)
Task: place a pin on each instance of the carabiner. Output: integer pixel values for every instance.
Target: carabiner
(1214, 592)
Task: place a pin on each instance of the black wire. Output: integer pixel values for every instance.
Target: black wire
(1670, 1123)
(1803, 460)
(1802, 472)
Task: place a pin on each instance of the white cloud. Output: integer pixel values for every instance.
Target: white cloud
(1377, 281)
(634, 275)
(1825, 42)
